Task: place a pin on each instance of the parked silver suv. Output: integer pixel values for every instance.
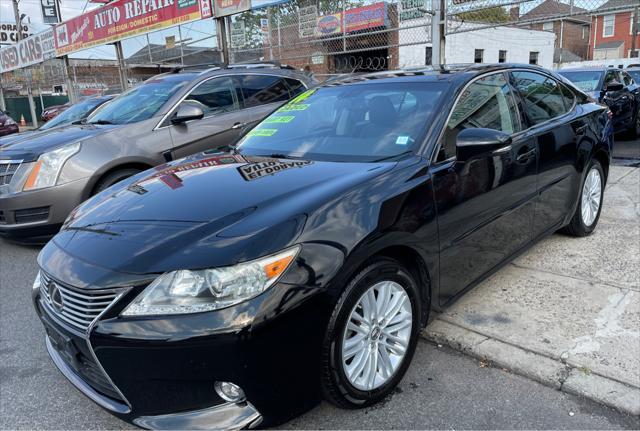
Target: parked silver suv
(169, 116)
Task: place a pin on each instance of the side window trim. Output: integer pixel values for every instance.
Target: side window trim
(438, 146)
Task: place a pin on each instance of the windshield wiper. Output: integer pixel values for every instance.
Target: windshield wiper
(392, 157)
(83, 121)
(101, 122)
(278, 156)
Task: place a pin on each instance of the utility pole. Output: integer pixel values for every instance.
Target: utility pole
(438, 22)
(32, 105)
(634, 38)
(122, 67)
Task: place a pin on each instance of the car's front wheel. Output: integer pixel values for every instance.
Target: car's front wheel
(587, 213)
(372, 335)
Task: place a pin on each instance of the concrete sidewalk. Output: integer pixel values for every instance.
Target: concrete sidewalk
(567, 312)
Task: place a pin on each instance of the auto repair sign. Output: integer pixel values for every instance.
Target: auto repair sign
(31, 50)
(121, 19)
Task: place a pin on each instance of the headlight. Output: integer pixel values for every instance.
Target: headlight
(185, 291)
(46, 170)
(9, 122)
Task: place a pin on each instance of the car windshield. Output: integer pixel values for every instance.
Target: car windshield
(74, 113)
(362, 122)
(139, 103)
(584, 80)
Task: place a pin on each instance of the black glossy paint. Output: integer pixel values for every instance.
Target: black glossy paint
(451, 222)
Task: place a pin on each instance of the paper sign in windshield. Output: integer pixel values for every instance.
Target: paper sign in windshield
(262, 132)
(281, 119)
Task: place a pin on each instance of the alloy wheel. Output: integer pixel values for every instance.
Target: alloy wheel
(377, 335)
(591, 194)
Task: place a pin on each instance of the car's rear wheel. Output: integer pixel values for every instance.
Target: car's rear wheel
(372, 335)
(587, 213)
(114, 177)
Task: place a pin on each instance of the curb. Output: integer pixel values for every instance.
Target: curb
(535, 366)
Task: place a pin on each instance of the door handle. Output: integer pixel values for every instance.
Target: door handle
(238, 125)
(526, 156)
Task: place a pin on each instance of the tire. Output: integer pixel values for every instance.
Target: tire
(584, 223)
(379, 276)
(635, 129)
(112, 178)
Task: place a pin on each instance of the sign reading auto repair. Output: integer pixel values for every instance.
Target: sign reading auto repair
(124, 18)
(32, 50)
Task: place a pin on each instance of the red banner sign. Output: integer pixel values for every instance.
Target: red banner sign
(121, 19)
(361, 18)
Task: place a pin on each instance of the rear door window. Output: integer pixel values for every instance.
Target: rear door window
(262, 89)
(542, 96)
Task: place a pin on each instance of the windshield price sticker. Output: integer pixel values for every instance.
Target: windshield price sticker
(303, 96)
(281, 119)
(262, 132)
(293, 107)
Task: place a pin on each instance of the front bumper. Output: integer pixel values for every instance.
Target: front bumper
(163, 369)
(37, 215)
(224, 416)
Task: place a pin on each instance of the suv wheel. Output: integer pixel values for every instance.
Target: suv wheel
(587, 213)
(112, 178)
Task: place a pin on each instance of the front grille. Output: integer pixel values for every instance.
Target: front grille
(32, 215)
(6, 172)
(78, 308)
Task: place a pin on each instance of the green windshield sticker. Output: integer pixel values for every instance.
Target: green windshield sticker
(281, 119)
(262, 132)
(303, 96)
(293, 107)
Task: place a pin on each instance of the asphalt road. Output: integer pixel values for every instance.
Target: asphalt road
(443, 389)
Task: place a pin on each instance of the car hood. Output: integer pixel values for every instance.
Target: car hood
(18, 137)
(35, 144)
(205, 211)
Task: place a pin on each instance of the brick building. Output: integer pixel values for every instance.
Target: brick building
(569, 23)
(612, 32)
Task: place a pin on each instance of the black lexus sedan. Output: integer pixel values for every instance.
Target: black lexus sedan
(615, 88)
(236, 289)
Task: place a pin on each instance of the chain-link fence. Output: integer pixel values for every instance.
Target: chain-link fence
(583, 29)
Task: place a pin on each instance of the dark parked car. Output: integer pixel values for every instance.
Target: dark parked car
(232, 288)
(168, 117)
(52, 112)
(615, 88)
(8, 125)
(74, 114)
(635, 73)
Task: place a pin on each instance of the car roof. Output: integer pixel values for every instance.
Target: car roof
(461, 73)
(206, 71)
(588, 69)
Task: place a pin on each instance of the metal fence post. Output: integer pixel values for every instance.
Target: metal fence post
(438, 34)
(221, 27)
(122, 67)
(71, 90)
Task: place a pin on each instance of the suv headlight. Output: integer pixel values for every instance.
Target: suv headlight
(46, 170)
(186, 291)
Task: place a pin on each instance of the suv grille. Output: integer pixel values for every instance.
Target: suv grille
(6, 172)
(78, 308)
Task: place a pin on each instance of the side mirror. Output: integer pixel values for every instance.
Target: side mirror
(187, 112)
(477, 141)
(614, 86)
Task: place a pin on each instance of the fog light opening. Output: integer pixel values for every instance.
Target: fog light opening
(229, 392)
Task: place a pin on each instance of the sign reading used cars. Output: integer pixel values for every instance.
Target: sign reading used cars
(32, 50)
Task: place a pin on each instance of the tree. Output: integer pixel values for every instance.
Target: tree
(495, 14)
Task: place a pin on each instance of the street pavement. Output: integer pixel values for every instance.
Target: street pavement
(564, 314)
